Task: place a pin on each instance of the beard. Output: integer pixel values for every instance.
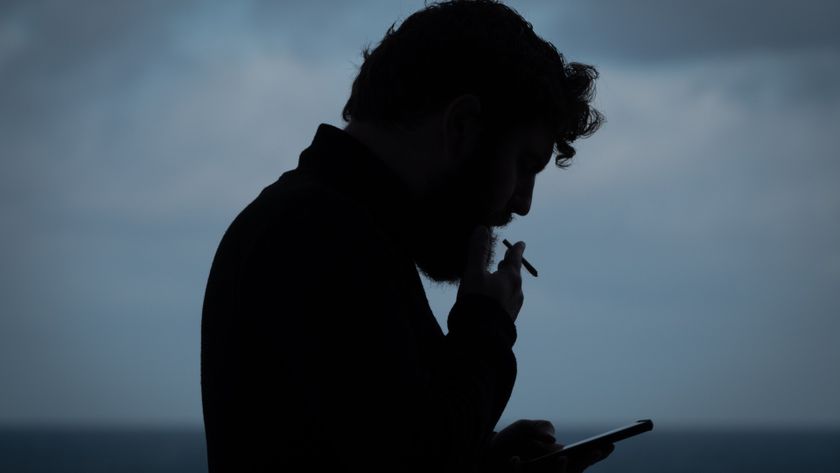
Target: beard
(445, 219)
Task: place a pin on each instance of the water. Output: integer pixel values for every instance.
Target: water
(150, 450)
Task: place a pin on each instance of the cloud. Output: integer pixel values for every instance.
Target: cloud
(126, 153)
(696, 235)
(684, 30)
(700, 220)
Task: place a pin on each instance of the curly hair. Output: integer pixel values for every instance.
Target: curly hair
(478, 47)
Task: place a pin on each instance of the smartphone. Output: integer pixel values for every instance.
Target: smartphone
(640, 426)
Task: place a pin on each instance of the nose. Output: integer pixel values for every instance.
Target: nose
(523, 207)
(521, 202)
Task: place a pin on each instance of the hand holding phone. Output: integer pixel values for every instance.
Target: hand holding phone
(603, 441)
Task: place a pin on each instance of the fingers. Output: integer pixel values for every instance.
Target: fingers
(544, 430)
(605, 451)
(539, 430)
(545, 425)
(503, 286)
(534, 425)
(513, 257)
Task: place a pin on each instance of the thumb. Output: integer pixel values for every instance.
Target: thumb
(479, 248)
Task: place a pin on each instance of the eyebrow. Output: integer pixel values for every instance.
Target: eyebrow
(540, 159)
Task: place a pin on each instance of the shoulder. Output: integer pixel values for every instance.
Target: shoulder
(319, 252)
(315, 212)
(315, 224)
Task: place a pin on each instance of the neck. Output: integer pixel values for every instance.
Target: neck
(408, 153)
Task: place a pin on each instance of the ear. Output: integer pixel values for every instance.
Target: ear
(462, 128)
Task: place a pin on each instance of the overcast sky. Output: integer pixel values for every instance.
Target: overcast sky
(689, 259)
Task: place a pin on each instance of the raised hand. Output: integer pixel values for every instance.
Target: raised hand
(503, 285)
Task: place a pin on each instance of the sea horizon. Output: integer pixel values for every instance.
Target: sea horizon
(94, 448)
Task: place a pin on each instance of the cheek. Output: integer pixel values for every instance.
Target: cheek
(504, 184)
(489, 185)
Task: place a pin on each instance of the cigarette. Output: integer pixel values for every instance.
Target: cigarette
(525, 262)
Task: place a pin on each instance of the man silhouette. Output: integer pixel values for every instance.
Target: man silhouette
(319, 349)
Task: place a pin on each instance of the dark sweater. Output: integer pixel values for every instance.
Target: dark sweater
(318, 346)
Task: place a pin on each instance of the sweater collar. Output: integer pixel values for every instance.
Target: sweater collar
(356, 171)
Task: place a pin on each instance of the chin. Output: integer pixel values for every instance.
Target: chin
(445, 263)
(442, 263)
(448, 278)
(501, 221)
